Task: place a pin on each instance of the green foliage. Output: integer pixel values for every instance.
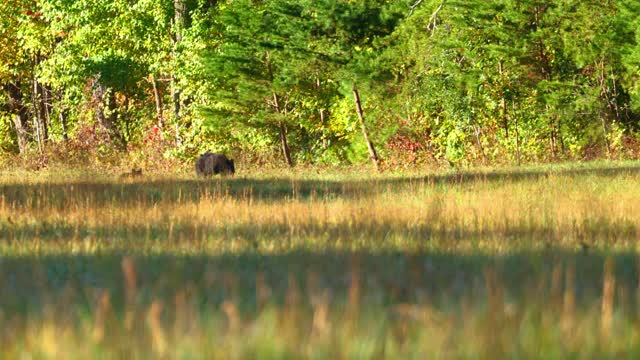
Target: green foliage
(518, 66)
(464, 81)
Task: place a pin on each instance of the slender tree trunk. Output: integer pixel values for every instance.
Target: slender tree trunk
(112, 106)
(63, 124)
(372, 151)
(286, 152)
(117, 135)
(46, 109)
(503, 103)
(554, 146)
(322, 116)
(505, 119)
(179, 23)
(517, 133)
(158, 100)
(179, 18)
(37, 111)
(560, 138)
(613, 101)
(175, 96)
(478, 133)
(325, 143)
(284, 144)
(63, 114)
(605, 134)
(98, 94)
(553, 143)
(40, 111)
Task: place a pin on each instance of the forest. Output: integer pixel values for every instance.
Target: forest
(321, 82)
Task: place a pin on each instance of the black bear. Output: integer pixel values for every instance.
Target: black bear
(133, 174)
(209, 164)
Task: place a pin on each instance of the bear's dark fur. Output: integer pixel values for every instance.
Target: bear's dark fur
(209, 164)
(133, 174)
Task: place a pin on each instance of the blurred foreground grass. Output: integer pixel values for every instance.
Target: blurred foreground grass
(522, 263)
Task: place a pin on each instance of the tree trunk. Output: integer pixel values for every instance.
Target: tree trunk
(20, 121)
(117, 135)
(46, 109)
(372, 151)
(605, 134)
(284, 144)
(20, 115)
(553, 137)
(323, 117)
(179, 18)
(325, 143)
(503, 103)
(517, 133)
(158, 99)
(478, 133)
(112, 106)
(37, 111)
(179, 24)
(63, 124)
(283, 133)
(39, 99)
(62, 113)
(98, 97)
(175, 96)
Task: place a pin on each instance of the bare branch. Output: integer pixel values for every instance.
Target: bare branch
(414, 6)
(433, 21)
(434, 18)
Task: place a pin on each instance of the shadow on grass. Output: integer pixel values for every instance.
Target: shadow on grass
(386, 278)
(176, 191)
(281, 234)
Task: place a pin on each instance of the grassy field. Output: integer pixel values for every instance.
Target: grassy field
(538, 262)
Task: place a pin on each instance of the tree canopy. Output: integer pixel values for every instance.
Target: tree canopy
(432, 81)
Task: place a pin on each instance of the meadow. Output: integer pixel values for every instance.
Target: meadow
(531, 262)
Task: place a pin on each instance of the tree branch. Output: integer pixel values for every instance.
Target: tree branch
(414, 6)
(434, 18)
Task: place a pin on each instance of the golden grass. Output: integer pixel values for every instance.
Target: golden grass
(560, 211)
(538, 263)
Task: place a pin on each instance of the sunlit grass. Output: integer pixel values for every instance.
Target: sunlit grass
(485, 263)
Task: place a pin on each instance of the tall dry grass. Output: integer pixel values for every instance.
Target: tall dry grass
(523, 264)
